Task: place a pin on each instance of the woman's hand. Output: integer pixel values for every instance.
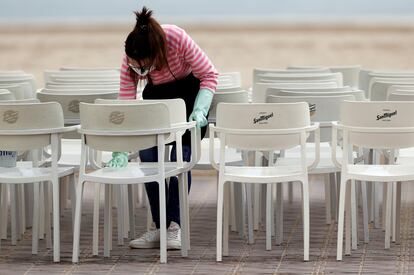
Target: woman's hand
(119, 160)
(201, 106)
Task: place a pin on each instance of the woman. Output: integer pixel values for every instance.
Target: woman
(174, 67)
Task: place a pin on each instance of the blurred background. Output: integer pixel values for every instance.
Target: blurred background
(237, 35)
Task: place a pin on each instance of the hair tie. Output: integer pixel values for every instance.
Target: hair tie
(143, 28)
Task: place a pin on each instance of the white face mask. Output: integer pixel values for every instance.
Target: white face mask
(143, 71)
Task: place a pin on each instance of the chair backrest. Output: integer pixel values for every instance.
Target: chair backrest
(176, 106)
(229, 78)
(228, 89)
(20, 101)
(16, 89)
(378, 88)
(275, 91)
(262, 116)
(359, 95)
(260, 71)
(108, 118)
(350, 74)
(302, 77)
(259, 89)
(78, 91)
(401, 96)
(88, 69)
(379, 114)
(229, 97)
(26, 85)
(6, 95)
(60, 86)
(326, 109)
(28, 116)
(70, 102)
(400, 87)
(49, 74)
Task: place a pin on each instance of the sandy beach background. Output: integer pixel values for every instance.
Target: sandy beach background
(231, 48)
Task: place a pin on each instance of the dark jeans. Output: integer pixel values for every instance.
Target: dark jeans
(172, 197)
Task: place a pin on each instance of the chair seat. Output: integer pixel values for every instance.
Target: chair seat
(25, 173)
(263, 174)
(382, 173)
(325, 164)
(133, 173)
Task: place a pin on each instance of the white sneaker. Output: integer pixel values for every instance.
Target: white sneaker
(174, 236)
(150, 239)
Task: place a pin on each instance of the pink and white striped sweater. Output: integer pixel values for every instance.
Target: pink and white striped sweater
(183, 55)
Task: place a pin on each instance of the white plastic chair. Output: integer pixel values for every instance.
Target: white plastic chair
(261, 127)
(379, 125)
(357, 94)
(378, 89)
(119, 127)
(32, 127)
(16, 89)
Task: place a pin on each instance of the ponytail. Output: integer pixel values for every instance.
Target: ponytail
(147, 40)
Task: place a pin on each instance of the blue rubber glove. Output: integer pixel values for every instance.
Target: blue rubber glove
(119, 160)
(201, 106)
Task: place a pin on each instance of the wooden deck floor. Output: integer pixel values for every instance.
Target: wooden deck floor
(243, 259)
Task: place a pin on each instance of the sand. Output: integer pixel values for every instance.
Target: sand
(231, 48)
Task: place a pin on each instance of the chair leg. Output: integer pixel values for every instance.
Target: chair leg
(131, 211)
(305, 213)
(256, 206)
(290, 192)
(120, 214)
(394, 212)
(4, 210)
(328, 209)
(42, 212)
(250, 218)
(354, 209)
(269, 216)
(232, 208)
(124, 192)
(341, 214)
(279, 213)
(95, 234)
(56, 223)
(77, 223)
(334, 198)
(398, 209)
(149, 216)
(183, 216)
(365, 214)
(388, 210)
(72, 191)
(107, 220)
(46, 215)
(384, 203)
(35, 223)
(226, 220)
(187, 208)
(13, 214)
(348, 219)
(219, 236)
(163, 223)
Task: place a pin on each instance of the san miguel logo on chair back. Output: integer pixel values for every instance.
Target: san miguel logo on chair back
(386, 115)
(74, 106)
(10, 116)
(262, 118)
(117, 117)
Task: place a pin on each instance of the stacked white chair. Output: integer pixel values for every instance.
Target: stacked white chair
(116, 127)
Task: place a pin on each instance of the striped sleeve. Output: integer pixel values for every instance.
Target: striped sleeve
(200, 64)
(127, 85)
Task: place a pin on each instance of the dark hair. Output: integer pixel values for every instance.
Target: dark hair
(147, 40)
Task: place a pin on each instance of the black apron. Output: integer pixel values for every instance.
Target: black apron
(186, 89)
